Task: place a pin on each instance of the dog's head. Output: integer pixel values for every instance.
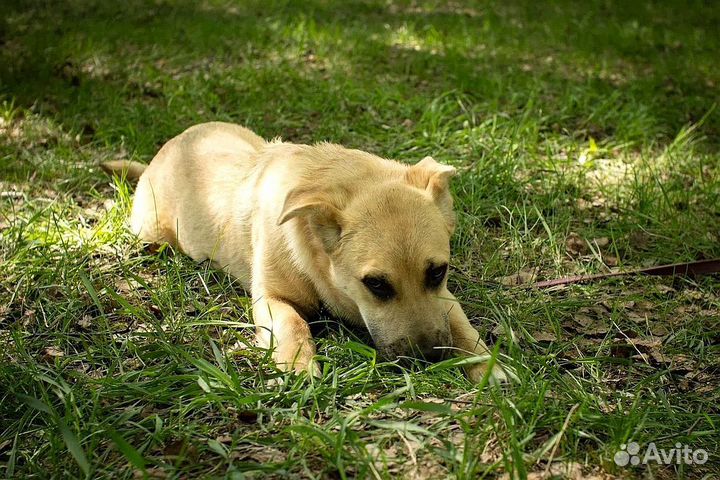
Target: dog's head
(389, 249)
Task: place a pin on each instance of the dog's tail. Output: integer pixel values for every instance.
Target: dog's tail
(124, 168)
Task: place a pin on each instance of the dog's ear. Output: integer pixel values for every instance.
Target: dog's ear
(322, 217)
(434, 178)
(431, 176)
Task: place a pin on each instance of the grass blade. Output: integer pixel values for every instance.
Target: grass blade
(74, 447)
(132, 455)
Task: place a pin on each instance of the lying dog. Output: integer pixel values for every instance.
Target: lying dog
(300, 226)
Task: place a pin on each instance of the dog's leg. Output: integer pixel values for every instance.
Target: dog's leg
(279, 326)
(467, 339)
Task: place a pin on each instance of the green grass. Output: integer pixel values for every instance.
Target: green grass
(598, 119)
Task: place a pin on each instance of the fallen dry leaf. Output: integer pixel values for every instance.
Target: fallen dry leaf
(179, 448)
(649, 342)
(601, 242)
(85, 322)
(583, 320)
(124, 285)
(152, 472)
(575, 245)
(629, 304)
(640, 240)
(501, 330)
(590, 321)
(258, 453)
(610, 261)
(680, 363)
(520, 278)
(636, 317)
(659, 330)
(51, 353)
(544, 336)
(582, 204)
(28, 317)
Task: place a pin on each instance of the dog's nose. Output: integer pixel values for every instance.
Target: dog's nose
(434, 353)
(433, 347)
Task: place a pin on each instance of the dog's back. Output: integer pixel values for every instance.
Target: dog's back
(182, 195)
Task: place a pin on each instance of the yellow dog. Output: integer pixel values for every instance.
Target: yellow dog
(300, 226)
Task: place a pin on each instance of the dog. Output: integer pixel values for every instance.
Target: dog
(302, 226)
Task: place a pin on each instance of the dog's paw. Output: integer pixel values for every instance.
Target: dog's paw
(498, 376)
(298, 358)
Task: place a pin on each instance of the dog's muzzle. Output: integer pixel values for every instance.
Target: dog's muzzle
(432, 347)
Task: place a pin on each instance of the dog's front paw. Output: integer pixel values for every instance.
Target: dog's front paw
(297, 358)
(498, 375)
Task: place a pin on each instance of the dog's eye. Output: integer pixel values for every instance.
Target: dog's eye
(435, 275)
(379, 287)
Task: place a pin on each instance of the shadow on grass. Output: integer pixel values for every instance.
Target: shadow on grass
(138, 72)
